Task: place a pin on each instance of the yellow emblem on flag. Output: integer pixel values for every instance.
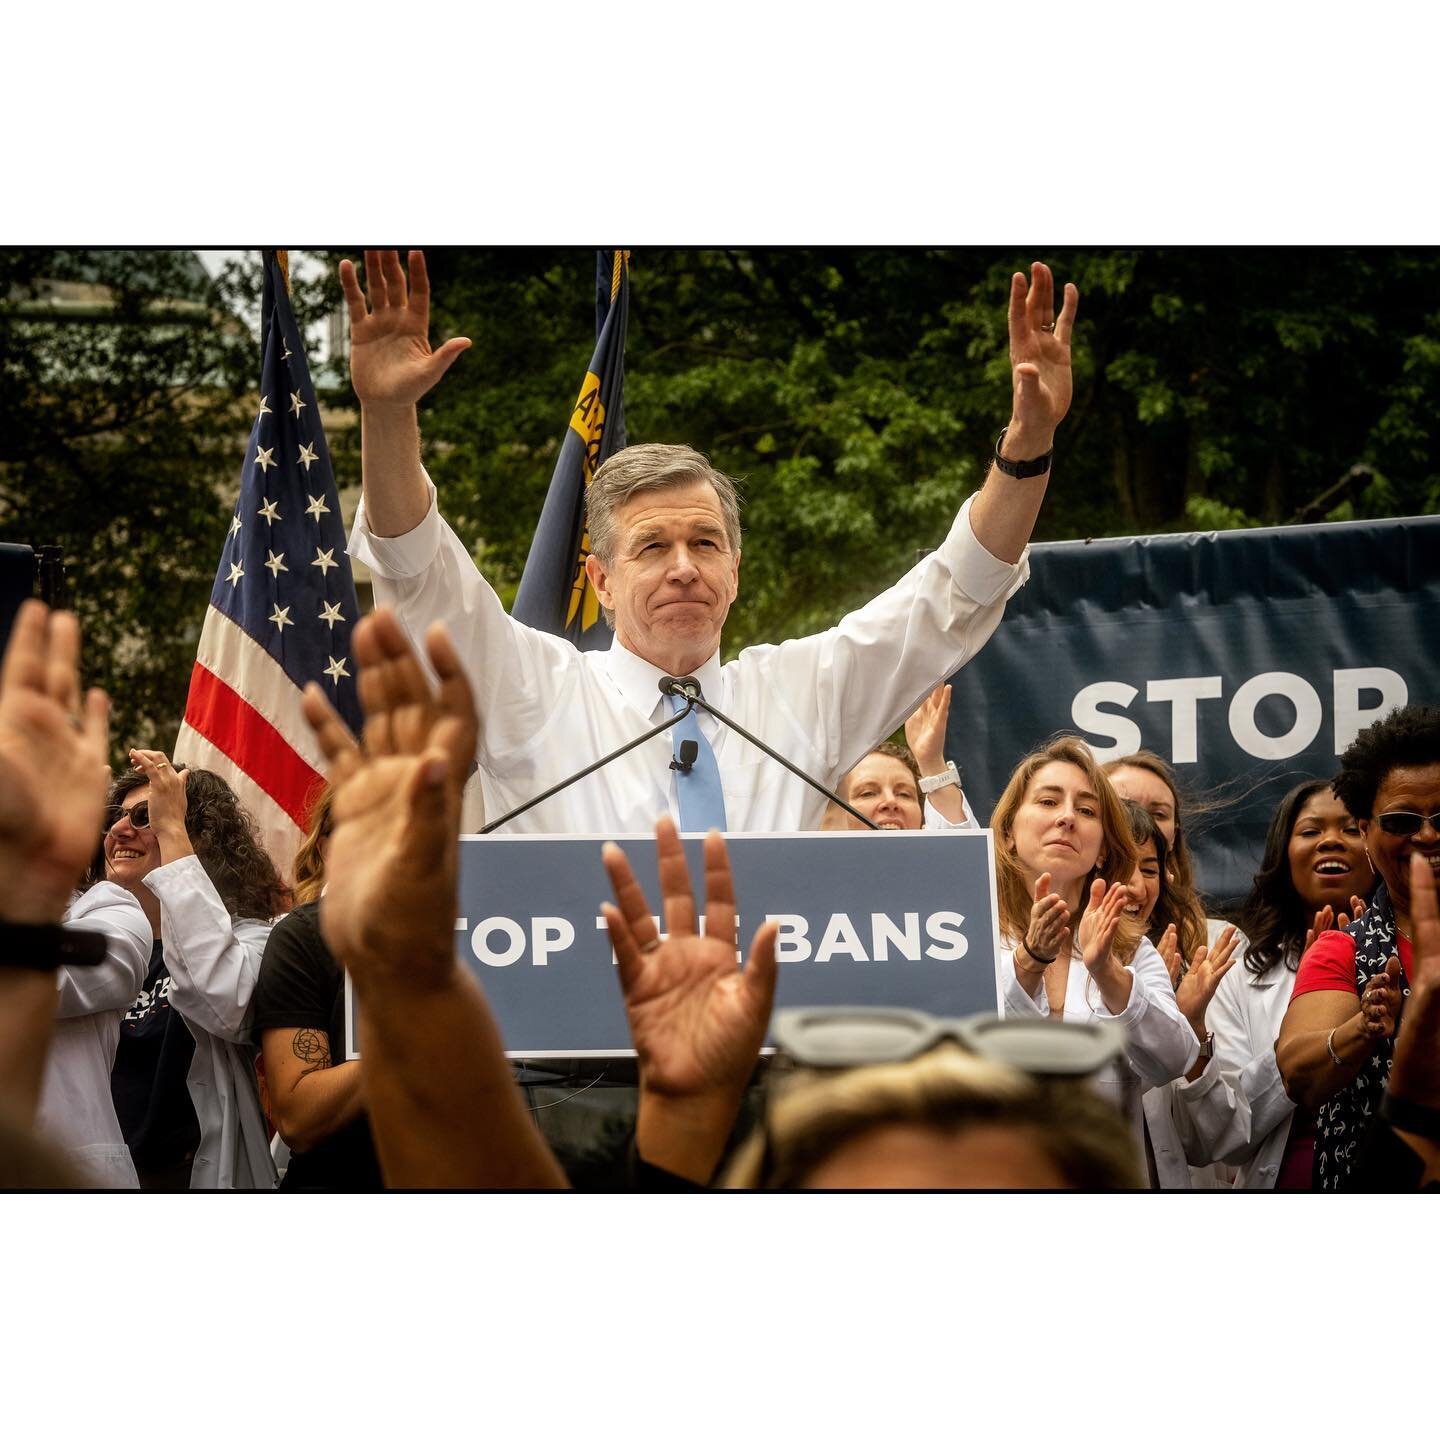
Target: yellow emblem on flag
(587, 420)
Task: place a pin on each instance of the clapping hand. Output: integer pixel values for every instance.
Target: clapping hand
(1415, 1072)
(1199, 982)
(697, 1019)
(1168, 946)
(53, 769)
(1325, 919)
(391, 363)
(388, 913)
(1048, 934)
(1099, 924)
(1380, 1001)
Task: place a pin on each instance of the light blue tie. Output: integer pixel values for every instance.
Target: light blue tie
(702, 801)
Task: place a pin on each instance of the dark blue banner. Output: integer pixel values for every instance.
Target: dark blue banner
(1247, 658)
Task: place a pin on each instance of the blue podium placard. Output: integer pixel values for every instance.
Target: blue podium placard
(902, 918)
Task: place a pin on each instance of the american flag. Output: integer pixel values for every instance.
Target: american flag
(283, 605)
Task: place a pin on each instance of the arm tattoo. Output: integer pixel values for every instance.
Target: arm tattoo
(312, 1046)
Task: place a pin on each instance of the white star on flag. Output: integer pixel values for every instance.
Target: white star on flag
(281, 618)
(275, 564)
(264, 409)
(335, 669)
(235, 525)
(269, 511)
(265, 458)
(296, 403)
(235, 576)
(325, 559)
(330, 614)
(307, 456)
(317, 506)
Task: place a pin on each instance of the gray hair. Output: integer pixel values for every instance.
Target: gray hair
(639, 468)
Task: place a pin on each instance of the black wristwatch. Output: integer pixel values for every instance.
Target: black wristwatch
(1020, 469)
(48, 947)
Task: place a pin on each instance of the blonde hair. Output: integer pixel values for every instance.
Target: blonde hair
(1186, 906)
(811, 1114)
(309, 862)
(1117, 845)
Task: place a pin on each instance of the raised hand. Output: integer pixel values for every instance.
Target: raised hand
(925, 730)
(1101, 921)
(1048, 934)
(389, 907)
(391, 362)
(698, 1020)
(1415, 1073)
(1039, 361)
(167, 802)
(1169, 947)
(1197, 987)
(53, 769)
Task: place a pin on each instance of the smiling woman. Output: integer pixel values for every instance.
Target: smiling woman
(1337, 1039)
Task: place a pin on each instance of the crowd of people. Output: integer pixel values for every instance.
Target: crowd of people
(177, 1007)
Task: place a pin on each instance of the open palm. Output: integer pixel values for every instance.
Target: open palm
(1040, 349)
(391, 362)
(52, 766)
(697, 1020)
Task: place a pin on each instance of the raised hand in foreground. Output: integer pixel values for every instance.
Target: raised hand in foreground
(52, 795)
(697, 1019)
(1098, 928)
(442, 1100)
(53, 768)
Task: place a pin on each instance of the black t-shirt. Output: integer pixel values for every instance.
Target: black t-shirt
(147, 1083)
(300, 987)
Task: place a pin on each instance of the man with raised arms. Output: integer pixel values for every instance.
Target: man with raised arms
(665, 539)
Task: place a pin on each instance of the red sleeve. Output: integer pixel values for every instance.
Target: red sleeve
(1329, 964)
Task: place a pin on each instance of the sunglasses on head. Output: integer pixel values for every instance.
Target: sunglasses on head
(1406, 822)
(138, 815)
(837, 1037)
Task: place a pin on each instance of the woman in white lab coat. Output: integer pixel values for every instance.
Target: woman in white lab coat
(1064, 856)
(1314, 874)
(184, 1076)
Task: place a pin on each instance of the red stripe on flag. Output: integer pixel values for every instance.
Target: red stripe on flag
(240, 731)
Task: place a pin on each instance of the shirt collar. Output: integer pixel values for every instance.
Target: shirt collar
(639, 681)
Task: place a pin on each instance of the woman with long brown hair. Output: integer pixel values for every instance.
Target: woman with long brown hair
(1064, 856)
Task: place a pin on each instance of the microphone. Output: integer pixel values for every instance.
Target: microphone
(688, 687)
(604, 760)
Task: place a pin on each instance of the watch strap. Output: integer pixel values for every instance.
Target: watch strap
(1020, 469)
(950, 775)
(48, 947)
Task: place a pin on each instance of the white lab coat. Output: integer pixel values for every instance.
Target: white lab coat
(76, 1112)
(1237, 1111)
(1159, 1043)
(213, 961)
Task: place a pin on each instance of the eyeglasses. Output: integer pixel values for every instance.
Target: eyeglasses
(1406, 822)
(137, 815)
(838, 1037)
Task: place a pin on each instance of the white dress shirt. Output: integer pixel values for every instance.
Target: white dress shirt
(547, 709)
(1159, 1043)
(76, 1111)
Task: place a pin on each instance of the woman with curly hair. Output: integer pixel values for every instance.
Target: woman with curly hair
(184, 1079)
(1338, 1035)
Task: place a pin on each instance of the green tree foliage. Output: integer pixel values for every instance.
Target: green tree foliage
(858, 394)
(126, 396)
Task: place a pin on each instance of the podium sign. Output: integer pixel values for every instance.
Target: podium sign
(902, 918)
